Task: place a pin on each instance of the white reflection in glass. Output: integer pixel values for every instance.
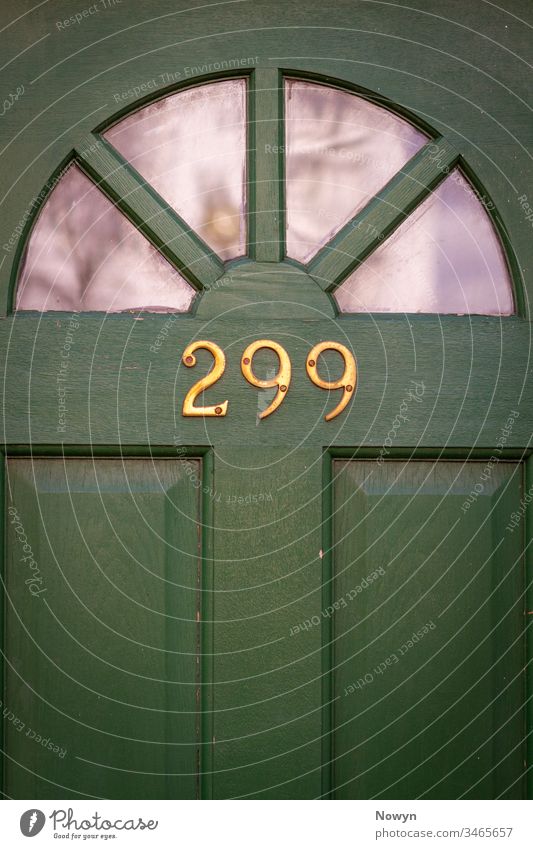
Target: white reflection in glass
(341, 150)
(191, 147)
(83, 254)
(444, 258)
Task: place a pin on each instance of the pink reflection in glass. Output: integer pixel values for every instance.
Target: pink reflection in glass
(444, 258)
(341, 150)
(83, 254)
(191, 147)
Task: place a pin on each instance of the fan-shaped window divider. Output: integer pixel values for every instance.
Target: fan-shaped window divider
(85, 255)
(268, 168)
(191, 147)
(341, 150)
(444, 258)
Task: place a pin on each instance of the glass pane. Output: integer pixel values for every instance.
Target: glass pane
(83, 254)
(446, 257)
(191, 147)
(341, 150)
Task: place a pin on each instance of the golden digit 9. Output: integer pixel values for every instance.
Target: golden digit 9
(346, 382)
(282, 380)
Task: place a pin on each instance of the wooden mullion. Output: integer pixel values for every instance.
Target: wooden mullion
(3, 603)
(328, 633)
(265, 166)
(149, 212)
(207, 631)
(367, 230)
(528, 636)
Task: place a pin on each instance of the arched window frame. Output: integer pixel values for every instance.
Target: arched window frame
(265, 213)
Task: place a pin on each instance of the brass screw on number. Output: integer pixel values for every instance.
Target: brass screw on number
(311, 363)
(349, 388)
(283, 388)
(218, 410)
(188, 359)
(246, 361)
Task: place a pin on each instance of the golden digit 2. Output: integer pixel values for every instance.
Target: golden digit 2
(348, 380)
(282, 380)
(215, 374)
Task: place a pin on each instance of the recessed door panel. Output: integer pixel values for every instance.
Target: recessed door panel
(102, 670)
(428, 634)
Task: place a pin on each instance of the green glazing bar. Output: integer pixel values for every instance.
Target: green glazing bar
(265, 180)
(364, 233)
(149, 212)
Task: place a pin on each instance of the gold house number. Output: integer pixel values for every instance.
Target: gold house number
(282, 380)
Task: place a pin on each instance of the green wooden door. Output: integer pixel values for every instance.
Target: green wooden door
(212, 606)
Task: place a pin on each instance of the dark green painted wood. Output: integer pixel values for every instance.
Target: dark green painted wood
(103, 660)
(364, 233)
(2, 619)
(148, 211)
(268, 577)
(266, 139)
(442, 717)
(207, 630)
(328, 700)
(475, 372)
(265, 290)
(527, 526)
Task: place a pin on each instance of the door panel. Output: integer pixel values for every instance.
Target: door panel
(102, 635)
(428, 649)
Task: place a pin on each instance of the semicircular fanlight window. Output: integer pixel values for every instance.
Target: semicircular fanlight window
(445, 257)
(83, 254)
(340, 151)
(191, 147)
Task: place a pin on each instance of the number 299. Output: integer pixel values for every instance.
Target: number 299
(282, 380)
